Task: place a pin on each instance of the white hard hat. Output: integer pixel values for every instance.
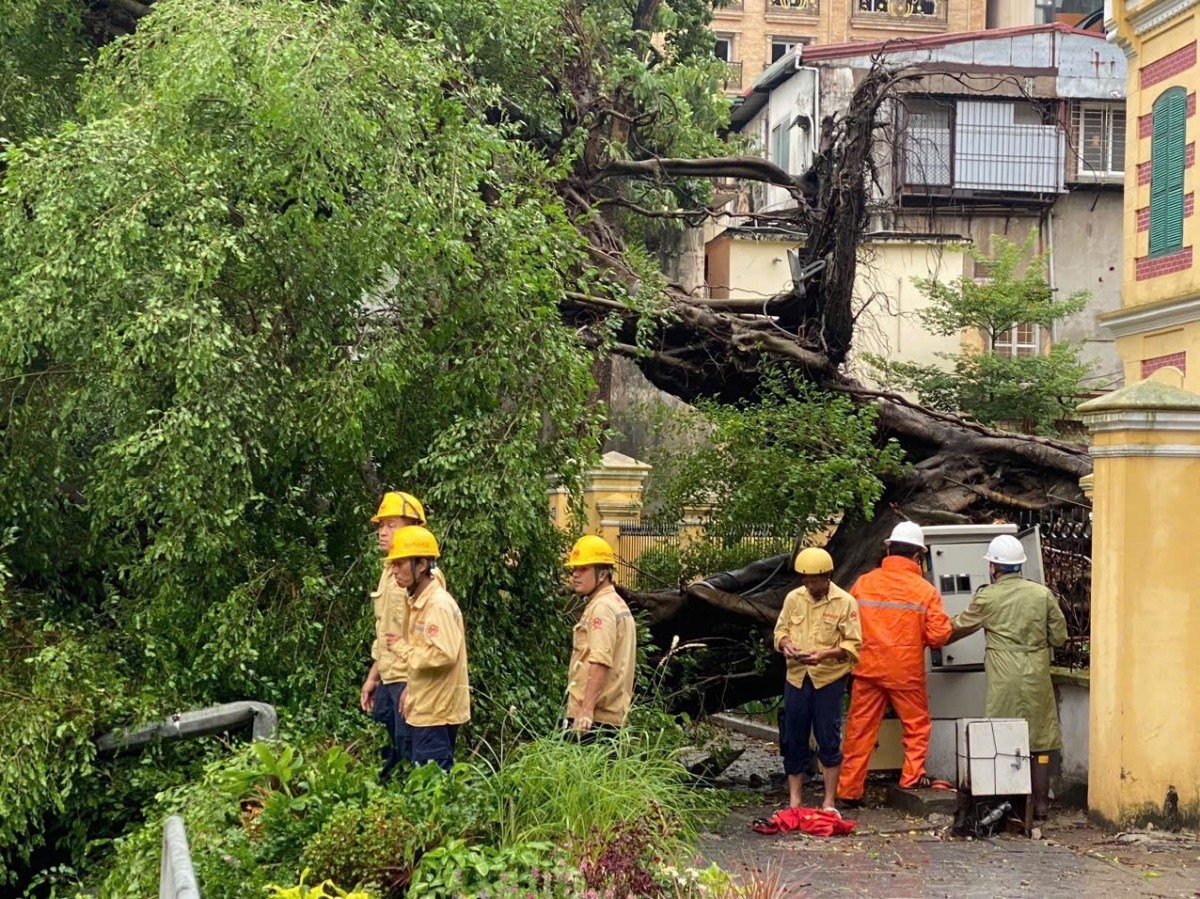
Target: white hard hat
(1006, 550)
(907, 532)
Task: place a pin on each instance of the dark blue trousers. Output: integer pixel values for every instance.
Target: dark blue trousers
(807, 712)
(387, 712)
(434, 744)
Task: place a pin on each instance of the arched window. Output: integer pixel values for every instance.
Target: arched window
(1167, 143)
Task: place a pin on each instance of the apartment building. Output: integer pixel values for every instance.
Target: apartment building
(1004, 132)
(752, 34)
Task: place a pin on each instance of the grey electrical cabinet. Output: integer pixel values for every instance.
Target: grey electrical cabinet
(957, 568)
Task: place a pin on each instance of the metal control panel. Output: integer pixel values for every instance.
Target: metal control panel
(957, 568)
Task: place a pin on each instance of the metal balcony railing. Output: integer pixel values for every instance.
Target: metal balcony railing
(793, 7)
(733, 81)
(900, 12)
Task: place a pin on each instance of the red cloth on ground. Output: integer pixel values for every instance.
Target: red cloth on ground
(814, 821)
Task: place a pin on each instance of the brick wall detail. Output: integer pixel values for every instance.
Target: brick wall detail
(1168, 66)
(1148, 267)
(1178, 360)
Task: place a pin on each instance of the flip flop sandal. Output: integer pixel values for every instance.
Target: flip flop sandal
(832, 811)
(941, 785)
(764, 826)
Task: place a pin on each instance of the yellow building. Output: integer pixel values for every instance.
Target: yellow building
(752, 34)
(1145, 684)
(1158, 324)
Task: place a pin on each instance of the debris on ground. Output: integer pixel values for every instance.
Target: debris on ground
(893, 854)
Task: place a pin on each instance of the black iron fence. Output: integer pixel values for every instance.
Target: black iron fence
(1067, 566)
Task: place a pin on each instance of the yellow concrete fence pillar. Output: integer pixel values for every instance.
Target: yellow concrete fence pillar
(1145, 676)
(612, 497)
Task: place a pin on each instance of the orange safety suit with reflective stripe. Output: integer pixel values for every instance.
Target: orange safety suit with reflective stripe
(901, 614)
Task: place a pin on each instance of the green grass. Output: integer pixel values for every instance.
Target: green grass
(554, 789)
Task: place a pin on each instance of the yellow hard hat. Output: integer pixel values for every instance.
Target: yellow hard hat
(400, 505)
(413, 542)
(591, 550)
(813, 560)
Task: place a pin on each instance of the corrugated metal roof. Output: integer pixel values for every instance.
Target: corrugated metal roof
(821, 52)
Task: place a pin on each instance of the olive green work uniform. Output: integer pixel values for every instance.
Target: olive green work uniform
(1021, 622)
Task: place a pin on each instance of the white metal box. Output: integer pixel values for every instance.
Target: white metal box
(993, 756)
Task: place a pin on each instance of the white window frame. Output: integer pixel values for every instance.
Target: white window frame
(926, 137)
(781, 146)
(729, 40)
(1111, 143)
(789, 43)
(1009, 344)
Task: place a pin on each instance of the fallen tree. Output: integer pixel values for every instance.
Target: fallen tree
(618, 142)
(959, 471)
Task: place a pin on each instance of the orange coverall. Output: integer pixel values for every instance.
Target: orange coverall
(901, 614)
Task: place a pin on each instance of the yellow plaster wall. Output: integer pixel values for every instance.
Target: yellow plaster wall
(1153, 45)
(1182, 339)
(757, 269)
(1145, 679)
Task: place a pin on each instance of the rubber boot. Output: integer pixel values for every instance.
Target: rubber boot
(1040, 781)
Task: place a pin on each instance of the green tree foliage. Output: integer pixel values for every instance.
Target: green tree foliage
(262, 260)
(1039, 389)
(43, 47)
(784, 462)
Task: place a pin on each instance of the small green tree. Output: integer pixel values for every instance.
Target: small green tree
(1038, 389)
(785, 461)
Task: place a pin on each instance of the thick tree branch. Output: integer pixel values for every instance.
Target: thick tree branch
(133, 7)
(750, 168)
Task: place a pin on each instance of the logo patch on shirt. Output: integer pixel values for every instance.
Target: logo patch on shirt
(597, 623)
(431, 631)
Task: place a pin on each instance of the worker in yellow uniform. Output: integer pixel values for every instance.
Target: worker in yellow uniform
(1021, 623)
(438, 698)
(604, 644)
(819, 634)
(381, 691)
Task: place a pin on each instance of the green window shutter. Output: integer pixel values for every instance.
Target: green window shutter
(1168, 145)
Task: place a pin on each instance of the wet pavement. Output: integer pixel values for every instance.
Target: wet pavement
(895, 855)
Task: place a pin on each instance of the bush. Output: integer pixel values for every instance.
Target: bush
(325, 890)
(373, 845)
(382, 842)
(247, 819)
(529, 825)
(285, 800)
(459, 869)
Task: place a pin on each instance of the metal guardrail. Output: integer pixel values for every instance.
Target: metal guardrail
(261, 717)
(177, 877)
